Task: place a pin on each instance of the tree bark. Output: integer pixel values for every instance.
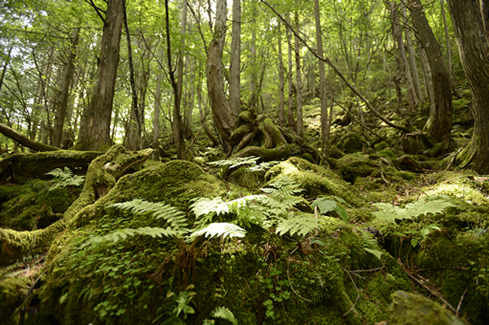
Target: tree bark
(412, 56)
(281, 106)
(298, 77)
(405, 68)
(325, 127)
(100, 108)
(64, 92)
(133, 129)
(471, 25)
(290, 109)
(156, 113)
(439, 122)
(234, 69)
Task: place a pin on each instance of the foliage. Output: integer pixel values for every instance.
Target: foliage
(301, 225)
(223, 313)
(222, 229)
(391, 213)
(325, 206)
(65, 177)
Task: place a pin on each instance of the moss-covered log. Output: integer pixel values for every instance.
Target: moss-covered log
(19, 167)
(25, 141)
(101, 176)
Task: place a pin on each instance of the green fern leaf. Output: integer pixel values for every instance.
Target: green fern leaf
(171, 215)
(223, 229)
(203, 206)
(235, 162)
(224, 313)
(391, 213)
(64, 177)
(302, 225)
(122, 234)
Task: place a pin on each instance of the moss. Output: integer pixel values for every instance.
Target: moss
(313, 179)
(356, 165)
(12, 293)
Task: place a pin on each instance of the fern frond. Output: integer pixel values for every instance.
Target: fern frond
(301, 225)
(370, 244)
(235, 162)
(223, 229)
(391, 213)
(224, 313)
(171, 215)
(128, 232)
(203, 206)
(64, 177)
(264, 166)
(284, 186)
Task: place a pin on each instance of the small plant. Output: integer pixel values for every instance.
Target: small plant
(223, 313)
(65, 177)
(326, 206)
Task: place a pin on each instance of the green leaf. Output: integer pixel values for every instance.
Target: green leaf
(375, 252)
(224, 313)
(220, 229)
(301, 225)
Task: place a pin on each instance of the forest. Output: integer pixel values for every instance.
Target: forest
(244, 162)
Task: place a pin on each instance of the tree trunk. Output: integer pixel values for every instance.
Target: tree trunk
(100, 107)
(234, 69)
(224, 120)
(156, 113)
(405, 68)
(64, 92)
(298, 77)
(412, 56)
(133, 129)
(439, 123)
(290, 109)
(471, 25)
(281, 106)
(322, 82)
(25, 141)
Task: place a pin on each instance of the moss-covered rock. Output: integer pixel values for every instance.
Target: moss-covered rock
(411, 309)
(313, 179)
(12, 293)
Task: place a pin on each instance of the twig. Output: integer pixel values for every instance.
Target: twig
(453, 159)
(433, 292)
(22, 307)
(358, 293)
(461, 300)
(292, 287)
(369, 270)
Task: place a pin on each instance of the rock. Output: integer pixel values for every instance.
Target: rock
(408, 308)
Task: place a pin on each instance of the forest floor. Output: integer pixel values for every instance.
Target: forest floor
(369, 237)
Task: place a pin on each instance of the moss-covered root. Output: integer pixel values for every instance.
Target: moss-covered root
(101, 176)
(103, 173)
(16, 244)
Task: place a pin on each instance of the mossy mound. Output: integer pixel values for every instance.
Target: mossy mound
(12, 293)
(356, 165)
(313, 179)
(34, 205)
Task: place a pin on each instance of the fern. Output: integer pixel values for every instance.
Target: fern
(173, 216)
(64, 177)
(224, 313)
(235, 162)
(391, 213)
(124, 233)
(370, 244)
(220, 229)
(301, 225)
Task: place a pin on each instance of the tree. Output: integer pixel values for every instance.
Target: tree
(322, 82)
(439, 123)
(235, 67)
(471, 25)
(97, 132)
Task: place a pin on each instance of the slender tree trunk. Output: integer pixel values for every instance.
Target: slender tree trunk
(413, 98)
(234, 69)
(427, 75)
(439, 122)
(322, 82)
(412, 56)
(471, 25)
(298, 76)
(5, 65)
(156, 117)
(133, 129)
(177, 125)
(64, 91)
(281, 106)
(253, 63)
(100, 107)
(290, 108)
